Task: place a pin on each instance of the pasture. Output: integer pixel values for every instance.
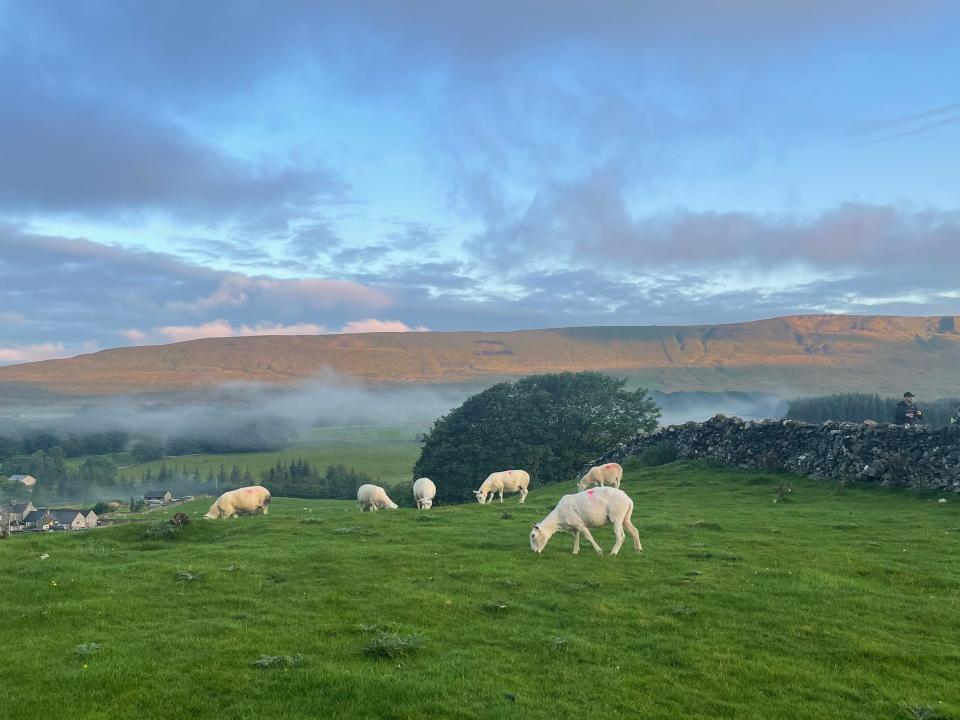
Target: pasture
(385, 453)
(824, 605)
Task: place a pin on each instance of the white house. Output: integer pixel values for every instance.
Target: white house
(158, 497)
(25, 480)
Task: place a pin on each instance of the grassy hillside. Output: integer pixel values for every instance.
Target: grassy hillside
(386, 453)
(823, 606)
(791, 355)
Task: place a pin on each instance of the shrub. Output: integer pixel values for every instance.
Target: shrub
(660, 453)
(160, 530)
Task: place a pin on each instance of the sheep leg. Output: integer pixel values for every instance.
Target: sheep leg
(576, 542)
(633, 533)
(586, 533)
(501, 494)
(618, 532)
(523, 495)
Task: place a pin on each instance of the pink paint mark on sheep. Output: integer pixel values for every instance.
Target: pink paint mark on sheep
(589, 492)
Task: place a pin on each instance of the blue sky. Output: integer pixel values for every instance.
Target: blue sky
(169, 171)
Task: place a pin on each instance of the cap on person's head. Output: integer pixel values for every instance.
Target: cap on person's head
(908, 394)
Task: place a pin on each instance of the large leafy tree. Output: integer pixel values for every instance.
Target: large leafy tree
(548, 425)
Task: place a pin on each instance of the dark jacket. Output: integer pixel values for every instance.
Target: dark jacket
(907, 413)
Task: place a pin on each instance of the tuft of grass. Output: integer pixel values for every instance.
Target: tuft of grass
(188, 576)
(705, 525)
(558, 643)
(925, 712)
(506, 515)
(845, 526)
(311, 521)
(85, 650)
(393, 645)
(354, 530)
(681, 610)
(277, 661)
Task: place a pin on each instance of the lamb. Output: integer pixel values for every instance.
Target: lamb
(610, 474)
(504, 481)
(242, 500)
(590, 508)
(374, 497)
(423, 493)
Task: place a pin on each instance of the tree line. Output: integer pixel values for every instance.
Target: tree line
(858, 407)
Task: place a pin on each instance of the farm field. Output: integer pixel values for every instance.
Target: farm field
(825, 605)
(385, 453)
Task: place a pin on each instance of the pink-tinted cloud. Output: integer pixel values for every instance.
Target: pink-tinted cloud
(31, 353)
(370, 325)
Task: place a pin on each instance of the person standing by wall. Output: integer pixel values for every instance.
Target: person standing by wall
(907, 412)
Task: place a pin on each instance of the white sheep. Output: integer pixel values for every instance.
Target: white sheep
(374, 497)
(242, 500)
(603, 475)
(424, 491)
(504, 481)
(591, 508)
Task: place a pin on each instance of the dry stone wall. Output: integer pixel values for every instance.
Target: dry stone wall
(895, 455)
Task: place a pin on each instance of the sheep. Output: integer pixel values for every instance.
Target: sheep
(423, 493)
(374, 497)
(505, 480)
(609, 474)
(242, 500)
(591, 508)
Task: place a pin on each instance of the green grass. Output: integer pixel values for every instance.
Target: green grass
(384, 453)
(822, 606)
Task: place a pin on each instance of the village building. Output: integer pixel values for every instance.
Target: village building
(19, 510)
(158, 497)
(26, 480)
(38, 520)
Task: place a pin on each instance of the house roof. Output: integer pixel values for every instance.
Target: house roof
(34, 516)
(155, 494)
(62, 515)
(21, 478)
(20, 506)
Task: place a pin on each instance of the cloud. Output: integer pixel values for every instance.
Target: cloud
(371, 325)
(31, 353)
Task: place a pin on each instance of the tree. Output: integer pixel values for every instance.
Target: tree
(549, 425)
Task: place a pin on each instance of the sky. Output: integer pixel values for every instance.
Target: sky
(175, 170)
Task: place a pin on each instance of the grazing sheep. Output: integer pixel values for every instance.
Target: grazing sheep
(603, 475)
(424, 491)
(374, 497)
(590, 508)
(503, 481)
(242, 500)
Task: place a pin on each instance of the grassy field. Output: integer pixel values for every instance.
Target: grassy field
(385, 453)
(823, 606)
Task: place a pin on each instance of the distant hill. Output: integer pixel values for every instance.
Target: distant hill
(796, 355)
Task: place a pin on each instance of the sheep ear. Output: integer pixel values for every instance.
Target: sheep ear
(536, 527)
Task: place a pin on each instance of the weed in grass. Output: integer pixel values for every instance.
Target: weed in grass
(506, 515)
(509, 583)
(311, 521)
(782, 491)
(85, 650)
(392, 645)
(424, 518)
(188, 576)
(845, 526)
(585, 585)
(231, 568)
(495, 606)
(693, 573)
(759, 480)
(558, 643)
(277, 661)
(681, 610)
(926, 712)
(705, 525)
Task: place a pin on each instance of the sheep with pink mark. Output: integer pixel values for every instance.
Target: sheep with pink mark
(424, 491)
(591, 508)
(501, 482)
(253, 499)
(606, 475)
(373, 497)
